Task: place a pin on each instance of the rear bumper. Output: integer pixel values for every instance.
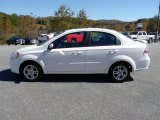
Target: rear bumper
(143, 63)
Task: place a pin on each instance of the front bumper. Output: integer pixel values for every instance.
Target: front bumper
(14, 65)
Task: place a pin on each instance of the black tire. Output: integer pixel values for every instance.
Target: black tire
(119, 72)
(150, 40)
(31, 71)
(73, 40)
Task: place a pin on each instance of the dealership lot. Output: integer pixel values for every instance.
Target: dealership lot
(80, 97)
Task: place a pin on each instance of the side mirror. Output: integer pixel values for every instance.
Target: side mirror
(51, 46)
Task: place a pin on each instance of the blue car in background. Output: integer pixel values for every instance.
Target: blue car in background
(15, 41)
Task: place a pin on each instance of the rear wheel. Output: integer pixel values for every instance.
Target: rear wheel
(31, 72)
(119, 72)
(150, 40)
(73, 40)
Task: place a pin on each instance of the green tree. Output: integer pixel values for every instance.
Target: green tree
(15, 20)
(63, 18)
(82, 14)
(64, 11)
(2, 23)
(152, 24)
(8, 27)
(82, 19)
(28, 26)
(131, 26)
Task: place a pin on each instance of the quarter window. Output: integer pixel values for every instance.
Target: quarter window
(103, 39)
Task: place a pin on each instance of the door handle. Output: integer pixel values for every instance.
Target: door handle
(77, 52)
(113, 51)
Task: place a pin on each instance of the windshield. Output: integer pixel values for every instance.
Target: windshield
(42, 42)
(134, 33)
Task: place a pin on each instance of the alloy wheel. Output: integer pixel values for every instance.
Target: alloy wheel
(120, 73)
(30, 72)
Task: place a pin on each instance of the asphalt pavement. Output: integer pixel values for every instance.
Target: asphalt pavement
(80, 97)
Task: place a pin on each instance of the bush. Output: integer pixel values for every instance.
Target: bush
(2, 42)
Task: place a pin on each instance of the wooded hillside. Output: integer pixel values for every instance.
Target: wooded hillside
(62, 19)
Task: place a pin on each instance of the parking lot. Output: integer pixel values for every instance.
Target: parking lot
(80, 97)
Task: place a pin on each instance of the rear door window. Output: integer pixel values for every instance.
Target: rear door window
(103, 39)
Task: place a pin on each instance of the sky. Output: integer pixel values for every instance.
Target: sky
(124, 10)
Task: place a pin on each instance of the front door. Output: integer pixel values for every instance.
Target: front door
(68, 55)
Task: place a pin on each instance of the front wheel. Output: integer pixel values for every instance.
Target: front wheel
(31, 72)
(119, 72)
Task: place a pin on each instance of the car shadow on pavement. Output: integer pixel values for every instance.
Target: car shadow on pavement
(8, 76)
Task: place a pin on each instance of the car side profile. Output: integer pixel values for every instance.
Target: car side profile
(101, 51)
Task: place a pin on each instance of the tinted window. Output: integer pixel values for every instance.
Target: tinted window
(102, 39)
(71, 40)
(134, 33)
(139, 33)
(144, 33)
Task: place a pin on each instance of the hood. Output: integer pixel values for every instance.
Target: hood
(31, 49)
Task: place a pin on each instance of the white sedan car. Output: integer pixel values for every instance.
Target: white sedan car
(82, 51)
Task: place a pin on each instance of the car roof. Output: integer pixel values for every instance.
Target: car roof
(90, 29)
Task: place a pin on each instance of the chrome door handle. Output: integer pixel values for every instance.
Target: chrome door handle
(77, 52)
(113, 51)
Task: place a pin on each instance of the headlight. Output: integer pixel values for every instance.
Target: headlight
(15, 55)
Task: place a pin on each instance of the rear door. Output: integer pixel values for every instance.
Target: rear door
(101, 49)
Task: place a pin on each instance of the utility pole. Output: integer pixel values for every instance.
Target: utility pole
(158, 23)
